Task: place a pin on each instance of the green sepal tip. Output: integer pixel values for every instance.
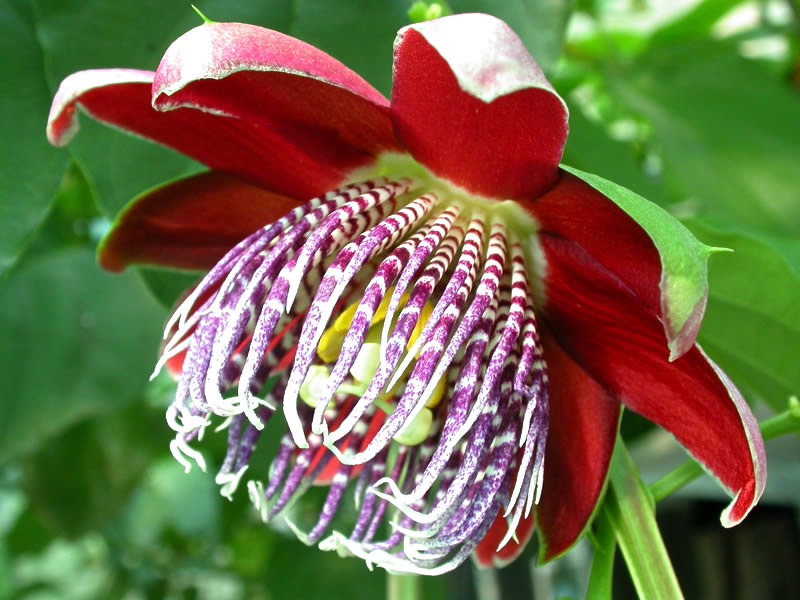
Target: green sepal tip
(206, 20)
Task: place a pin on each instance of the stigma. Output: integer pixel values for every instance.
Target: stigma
(391, 323)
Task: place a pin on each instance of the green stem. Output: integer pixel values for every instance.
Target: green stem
(630, 509)
(675, 480)
(403, 587)
(605, 546)
(784, 423)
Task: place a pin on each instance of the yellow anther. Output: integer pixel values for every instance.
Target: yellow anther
(415, 432)
(432, 402)
(330, 343)
(424, 315)
(367, 360)
(437, 395)
(314, 384)
(366, 363)
(316, 379)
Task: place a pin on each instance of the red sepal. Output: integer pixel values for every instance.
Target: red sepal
(486, 553)
(190, 223)
(326, 477)
(584, 420)
(290, 161)
(263, 76)
(574, 210)
(471, 105)
(613, 335)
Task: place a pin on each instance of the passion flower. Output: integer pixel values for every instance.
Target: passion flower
(441, 314)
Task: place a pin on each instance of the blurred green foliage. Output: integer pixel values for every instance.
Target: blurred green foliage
(677, 111)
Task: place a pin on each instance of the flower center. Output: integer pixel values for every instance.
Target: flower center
(392, 321)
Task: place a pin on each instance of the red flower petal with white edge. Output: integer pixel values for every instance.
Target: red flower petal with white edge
(262, 76)
(185, 225)
(470, 104)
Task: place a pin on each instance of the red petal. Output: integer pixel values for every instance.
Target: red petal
(190, 223)
(584, 420)
(62, 122)
(327, 474)
(282, 160)
(175, 365)
(267, 77)
(486, 553)
(471, 105)
(607, 330)
(576, 211)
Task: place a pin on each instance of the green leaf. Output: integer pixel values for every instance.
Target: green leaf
(683, 258)
(74, 219)
(31, 168)
(752, 325)
(6, 574)
(604, 44)
(427, 11)
(695, 23)
(80, 342)
(360, 34)
(589, 148)
(167, 286)
(344, 29)
(80, 479)
(77, 36)
(728, 132)
(540, 24)
(29, 535)
(170, 500)
(289, 565)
